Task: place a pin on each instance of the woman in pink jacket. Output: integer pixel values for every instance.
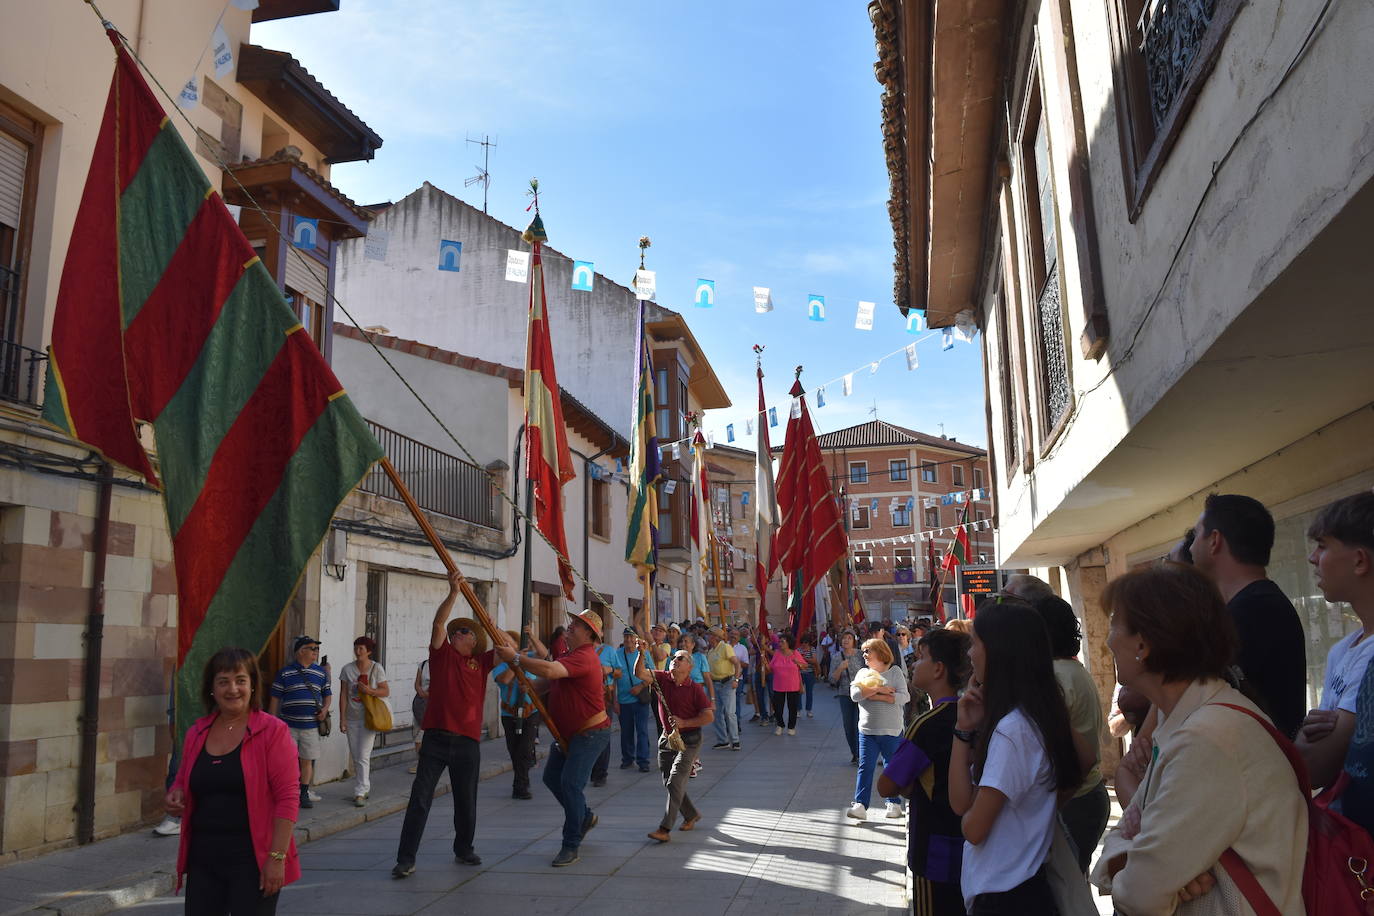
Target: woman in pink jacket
(238, 794)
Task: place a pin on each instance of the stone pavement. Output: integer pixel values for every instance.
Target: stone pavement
(773, 839)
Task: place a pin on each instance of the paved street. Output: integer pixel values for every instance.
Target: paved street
(773, 839)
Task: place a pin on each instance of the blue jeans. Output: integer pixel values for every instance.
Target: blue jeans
(636, 722)
(761, 695)
(739, 700)
(565, 775)
(870, 746)
(808, 684)
(460, 755)
(849, 715)
(727, 715)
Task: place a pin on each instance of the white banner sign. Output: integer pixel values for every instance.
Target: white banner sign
(864, 320)
(517, 266)
(763, 299)
(646, 284)
(375, 244)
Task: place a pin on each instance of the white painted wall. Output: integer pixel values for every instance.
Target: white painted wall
(477, 312)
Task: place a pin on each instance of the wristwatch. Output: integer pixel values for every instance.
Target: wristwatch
(279, 856)
(966, 736)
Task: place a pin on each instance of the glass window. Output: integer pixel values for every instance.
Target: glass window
(901, 518)
(863, 561)
(956, 472)
(978, 478)
(933, 517)
(929, 473)
(860, 518)
(896, 470)
(858, 472)
(903, 557)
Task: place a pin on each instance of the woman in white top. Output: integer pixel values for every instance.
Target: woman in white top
(1216, 779)
(880, 723)
(1014, 753)
(361, 677)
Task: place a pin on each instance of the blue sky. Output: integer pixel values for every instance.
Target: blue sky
(743, 138)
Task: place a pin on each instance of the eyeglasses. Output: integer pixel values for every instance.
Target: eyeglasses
(867, 651)
(462, 631)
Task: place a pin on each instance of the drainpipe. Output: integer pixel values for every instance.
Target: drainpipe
(587, 518)
(90, 691)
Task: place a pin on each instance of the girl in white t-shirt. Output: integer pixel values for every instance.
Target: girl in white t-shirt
(1014, 752)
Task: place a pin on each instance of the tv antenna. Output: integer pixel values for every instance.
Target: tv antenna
(483, 171)
(874, 409)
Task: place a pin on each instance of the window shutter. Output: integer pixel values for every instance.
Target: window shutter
(307, 276)
(14, 157)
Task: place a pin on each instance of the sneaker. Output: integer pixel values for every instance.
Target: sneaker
(857, 811)
(853, 761)
(412, 770)
(778, 730)
(170, 826)
(359, 801)
(808, 714)
(306, 800)
(792, 731)
(314, 796)
(754, 717)
(403, 871)
(735, 746)
(720, 744)
(566, 856)
(467, 858)
(588, 823)
(894, 810)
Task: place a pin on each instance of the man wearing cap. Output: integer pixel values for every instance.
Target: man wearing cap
(577, 708)
(725, 670)
(659, 649)
(632, 696)
(683, 706)
(459, 663)
(301, 698)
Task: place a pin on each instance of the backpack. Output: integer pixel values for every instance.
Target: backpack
(1335, 879)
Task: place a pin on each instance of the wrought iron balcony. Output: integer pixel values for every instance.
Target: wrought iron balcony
(1171, 32)
(440, 482)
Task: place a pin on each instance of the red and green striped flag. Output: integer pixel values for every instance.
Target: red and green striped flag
(958, 548)
(166, 316)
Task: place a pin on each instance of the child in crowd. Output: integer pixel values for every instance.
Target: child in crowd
(1014, 751)
(919, 770)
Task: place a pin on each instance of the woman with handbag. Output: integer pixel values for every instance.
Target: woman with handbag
(1217, 798)
(362, 683)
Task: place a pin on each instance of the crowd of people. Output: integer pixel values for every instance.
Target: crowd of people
(990, 732)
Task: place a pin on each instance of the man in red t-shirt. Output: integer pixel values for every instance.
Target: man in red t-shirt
(682, 705)
(577, 708)
(459, 663)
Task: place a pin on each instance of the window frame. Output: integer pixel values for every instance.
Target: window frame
(863, 561)
(930, 472)
(977, 478)
(855, 466)
(900, 513)
(926, 517)
(599, 514)
(860, 512)
(956, 475)
(28, 132)
(899, 475)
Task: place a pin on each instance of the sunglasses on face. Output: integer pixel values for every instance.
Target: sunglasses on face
(462, 631)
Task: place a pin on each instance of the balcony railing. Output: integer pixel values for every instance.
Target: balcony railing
(439, 481)
(1170, 33)
(21, 368)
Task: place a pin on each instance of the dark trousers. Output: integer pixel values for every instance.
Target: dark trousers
(520, 735)
(565, 775)
(602, 765)
(216, 888)
(761, 696)
(791, 699)
(1085, 819)
(849, 715)
(440, 750)
(634, 734)
(676, 767)
(1032, 897)
(808, 685)
(936, 898)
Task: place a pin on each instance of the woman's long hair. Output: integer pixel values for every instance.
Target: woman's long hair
(1018, 672)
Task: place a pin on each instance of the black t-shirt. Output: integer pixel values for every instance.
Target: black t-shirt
(219, 821)
(935, 838)
(1273, 651)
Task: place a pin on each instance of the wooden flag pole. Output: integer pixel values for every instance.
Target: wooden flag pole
(495, 635)
(715, 566)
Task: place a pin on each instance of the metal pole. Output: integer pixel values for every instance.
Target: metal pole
(468, 593)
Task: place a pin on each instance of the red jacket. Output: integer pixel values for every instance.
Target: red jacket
(271, 782)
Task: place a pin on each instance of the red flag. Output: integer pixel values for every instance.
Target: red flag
(811, 537)
(937, 603)
(549, 465)
(959, 548)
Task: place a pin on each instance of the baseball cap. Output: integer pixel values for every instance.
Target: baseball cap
(628, 631)
(303, 641)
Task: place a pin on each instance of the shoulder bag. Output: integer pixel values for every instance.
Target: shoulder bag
(376, 710)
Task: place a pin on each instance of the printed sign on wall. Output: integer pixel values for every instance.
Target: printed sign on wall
(450, 255)
(583, 276)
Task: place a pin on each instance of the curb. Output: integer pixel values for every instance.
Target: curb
(157, 882)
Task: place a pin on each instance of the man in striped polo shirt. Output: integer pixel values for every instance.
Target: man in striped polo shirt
(301, 697)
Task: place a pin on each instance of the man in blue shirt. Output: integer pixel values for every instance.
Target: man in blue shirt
(602, 766)
(519, 718)
(632, 695)
(301, 697)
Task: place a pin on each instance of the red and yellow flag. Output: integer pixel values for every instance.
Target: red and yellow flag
(549, 463)
(165, 315)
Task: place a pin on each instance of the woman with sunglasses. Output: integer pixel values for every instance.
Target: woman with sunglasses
(880, 701)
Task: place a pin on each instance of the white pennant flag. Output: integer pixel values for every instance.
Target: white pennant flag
(796, 408)
(864, 320)
(848, 384)
(911, 362)
(749, 427)
(965, 326)
(646, 284)
(223, 55)
(873, 368)
(820, 396)
(763, 299)
(517, 266)
(677, 451)
(190, 95)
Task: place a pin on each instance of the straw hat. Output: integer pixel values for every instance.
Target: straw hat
(590, 618)
(477, 631)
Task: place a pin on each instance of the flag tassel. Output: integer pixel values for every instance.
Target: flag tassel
(493, 633)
